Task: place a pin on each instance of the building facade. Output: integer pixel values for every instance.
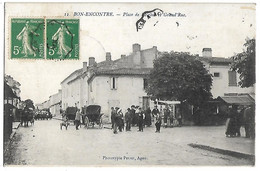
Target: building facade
(55, 103)
(118, 83)
(225, 81)
(15, 87)
(46, 104)
(121, 83)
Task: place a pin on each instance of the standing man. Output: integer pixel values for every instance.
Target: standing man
(141, 118)
(148, 118)
(158, 121)
(133, 118)
(77, 119)
(128, 120)
(155, 111)
(116, 118)
(120, 120)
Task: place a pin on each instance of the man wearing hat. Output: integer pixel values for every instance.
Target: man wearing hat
(128, 120)
(141, 117)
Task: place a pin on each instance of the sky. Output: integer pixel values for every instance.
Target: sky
(222, 27)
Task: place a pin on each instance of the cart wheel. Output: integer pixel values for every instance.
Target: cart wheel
(86, 122)
(100, 123)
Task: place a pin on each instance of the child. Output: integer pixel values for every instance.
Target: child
(64, 122)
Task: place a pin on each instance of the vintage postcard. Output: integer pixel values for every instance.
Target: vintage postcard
(129, 84)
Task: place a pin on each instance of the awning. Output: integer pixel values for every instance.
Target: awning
(238, 100)
(168, 102)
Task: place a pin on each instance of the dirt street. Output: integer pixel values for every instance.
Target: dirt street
(45, 144)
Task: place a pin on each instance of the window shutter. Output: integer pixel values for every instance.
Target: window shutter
(232, 78)
(116, 83)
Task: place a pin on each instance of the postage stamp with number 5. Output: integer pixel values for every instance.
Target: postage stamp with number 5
(27, 38)
(62, 39)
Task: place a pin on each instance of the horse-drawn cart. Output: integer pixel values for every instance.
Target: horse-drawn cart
(70, 113)
(92, 116)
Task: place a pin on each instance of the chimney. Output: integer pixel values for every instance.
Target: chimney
(85, 66)
(136, 47)
(91, 61)
(108, 56)
(206, 52)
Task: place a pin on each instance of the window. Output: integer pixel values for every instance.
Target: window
(145, 83)
(216, 74)
(232, 78)
(113, 83)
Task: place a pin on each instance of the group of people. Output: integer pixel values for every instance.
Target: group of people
(241, 117)
(135, 116)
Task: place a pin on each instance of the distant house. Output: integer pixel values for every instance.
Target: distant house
(39, 106)
(225, 81)
(55, 103)
(15, 88)
(46, 104)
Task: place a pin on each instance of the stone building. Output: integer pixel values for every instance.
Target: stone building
(121, 83)
(225, 81)
(118, 83)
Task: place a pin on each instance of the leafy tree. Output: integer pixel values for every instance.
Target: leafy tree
(244, 64)
(179, 76)
(29, 103)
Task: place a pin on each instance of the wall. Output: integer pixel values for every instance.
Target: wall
(148, 56)
(55, 103)
(220, 84)
(83, 92)
(129, 92)
(46, 104)
(70, 92)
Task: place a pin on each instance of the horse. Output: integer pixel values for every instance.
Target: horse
(26, 117)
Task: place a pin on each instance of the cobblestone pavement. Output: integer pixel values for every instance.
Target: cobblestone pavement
(45, 144)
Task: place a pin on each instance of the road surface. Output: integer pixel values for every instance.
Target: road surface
(45, 144)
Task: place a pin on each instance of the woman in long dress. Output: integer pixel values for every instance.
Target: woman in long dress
(25, 36)
(63, 49)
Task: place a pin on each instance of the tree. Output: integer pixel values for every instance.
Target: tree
(179, 76)
(29, 103)
(244, 64)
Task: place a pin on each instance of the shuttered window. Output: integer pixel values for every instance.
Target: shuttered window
(113, 83)
(232, 78)
(145, 83)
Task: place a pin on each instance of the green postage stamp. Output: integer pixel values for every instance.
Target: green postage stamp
(27, 38)
(62, 39)
(39, 38)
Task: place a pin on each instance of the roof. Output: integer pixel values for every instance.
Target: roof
(75, 72)
(122, 71)
(238, 100)
(212, 60)
(126, 71)
(206, 49)
(121, 66)
(8, 92)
